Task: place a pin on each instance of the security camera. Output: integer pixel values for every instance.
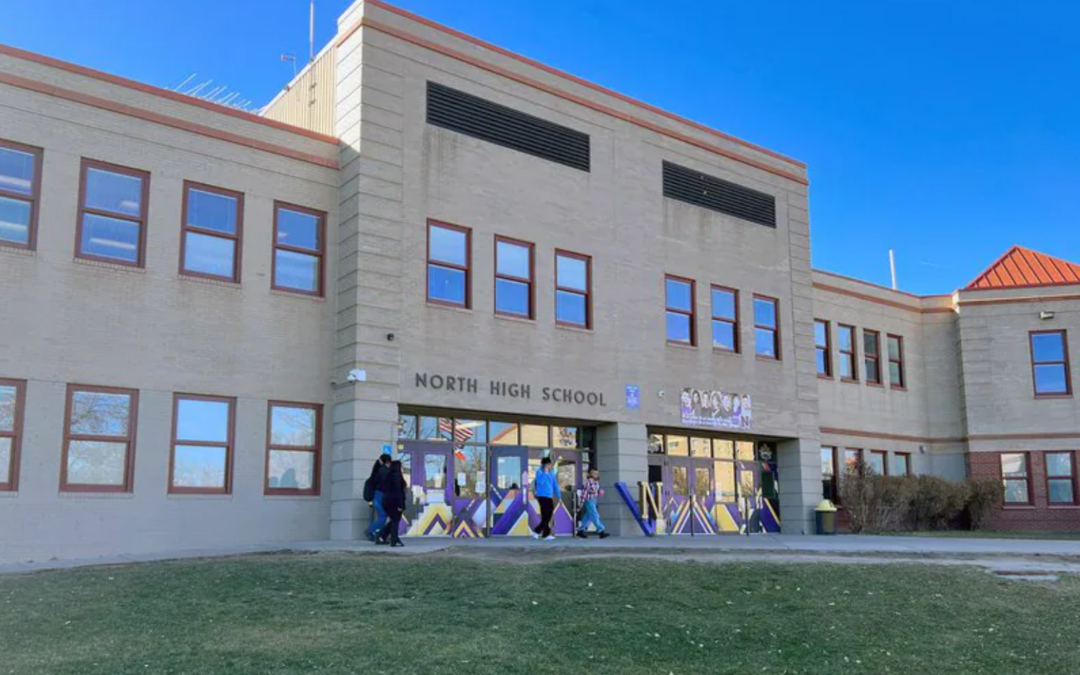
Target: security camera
(357, 375)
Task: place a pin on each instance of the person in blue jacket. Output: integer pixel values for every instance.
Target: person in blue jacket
(546, 489)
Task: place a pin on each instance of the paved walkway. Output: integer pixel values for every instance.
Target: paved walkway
(995, 554)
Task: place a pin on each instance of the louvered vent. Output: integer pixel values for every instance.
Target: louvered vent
(694, 187)
(473, 116)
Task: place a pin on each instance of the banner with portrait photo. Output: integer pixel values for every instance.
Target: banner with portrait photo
(715, 409)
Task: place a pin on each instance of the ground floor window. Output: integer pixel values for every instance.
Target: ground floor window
(876, 462)
(1016, 477)
(830, 488)
(99, 439)
(901, 464)
(1060, 478)
(293, 450)
(12, 396)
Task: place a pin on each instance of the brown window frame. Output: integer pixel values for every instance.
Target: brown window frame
(733, 322)
(16, 433)
(320, 254)
(852, 355)
(775, 331)
(884, 460)
(692, 314)
(530, 282)
(877, 381)
(229, 445)
(317, 449)
(1072, 477)
(1065, 355)
(907, 462)
(467, 269)
(35, 194)
(1026, 478)
(237, 238)
(899, 361)
(85, 165)
(129, 459)
(835, 479)
(827, 348)
(565, 289)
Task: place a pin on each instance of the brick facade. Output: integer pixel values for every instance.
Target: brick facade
(1040, 515)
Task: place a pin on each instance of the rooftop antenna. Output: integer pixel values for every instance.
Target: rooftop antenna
(892, 268)
(311, 33)
(292, 58)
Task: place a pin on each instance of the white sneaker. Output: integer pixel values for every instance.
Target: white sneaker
(535, 535)
(550, 537)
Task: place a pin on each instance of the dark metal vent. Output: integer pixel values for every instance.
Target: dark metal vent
(694, 187)
(473, 116)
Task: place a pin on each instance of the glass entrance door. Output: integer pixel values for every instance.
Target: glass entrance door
(567, 467)
(750, 495)
(508, 488)
(688, 496)
(430, 497)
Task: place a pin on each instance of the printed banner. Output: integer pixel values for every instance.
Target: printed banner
(715, 409)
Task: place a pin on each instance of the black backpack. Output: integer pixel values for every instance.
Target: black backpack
(369, 489)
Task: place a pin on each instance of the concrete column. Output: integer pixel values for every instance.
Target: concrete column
(621, 451)
(799, 462)
(362, 429)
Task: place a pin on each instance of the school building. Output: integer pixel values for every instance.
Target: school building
(214, 322)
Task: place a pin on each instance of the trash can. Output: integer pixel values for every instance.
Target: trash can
(825, 517)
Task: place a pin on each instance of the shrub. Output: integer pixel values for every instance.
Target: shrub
(984, 495)
(894, 497)
(857, 494)
(937, 502)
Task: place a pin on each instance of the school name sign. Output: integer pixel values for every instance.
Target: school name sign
(503, 389)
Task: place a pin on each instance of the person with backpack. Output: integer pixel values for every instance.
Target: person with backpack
(589, 496)
(393, 500)
(373, 494)
(546, 489)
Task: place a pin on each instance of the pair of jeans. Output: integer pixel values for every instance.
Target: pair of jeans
(547, 510)
(380, 515)
(591, 516)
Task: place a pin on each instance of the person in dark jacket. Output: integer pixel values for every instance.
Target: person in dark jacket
(393, 491)
(374, 486)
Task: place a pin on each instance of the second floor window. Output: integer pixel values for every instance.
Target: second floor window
(201, 459)
(112, 214)
(679, 300)
(449, 258)
(848, 359)
(211, 228)
(897, 376)
(299, 247)
(1050, 363)
(766, 327)
(573, 289)
(513, 277)
(822, 348)
(872, 356)
(725, 319)
(20, 191)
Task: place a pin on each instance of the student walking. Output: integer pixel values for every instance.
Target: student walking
(393, 489)
(373, 494)
(546, 489)
(589, 496)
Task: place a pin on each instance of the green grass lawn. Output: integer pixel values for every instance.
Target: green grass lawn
(371, 615)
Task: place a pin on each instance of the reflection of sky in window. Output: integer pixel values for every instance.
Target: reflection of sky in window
(513, 259)
(723, 304)
(845, 338)
(446, 284)
(512, 297)
(110, 237)
(678, 327)
(1050, 379)
(298, 229)
(202, 420)
(1048, 347)
(199, 466)
(99, 414)
(7, 408)
(116, 192)
(296, 270)
(208, 255)
(14, 220)
(292, 426)
(571, 273)
(678, 295)
(764, 342)
(16, 171)
(211, 211)
(448, 246)
(570, 307)
(764, 313)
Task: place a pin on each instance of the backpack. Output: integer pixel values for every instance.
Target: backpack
(369, 489)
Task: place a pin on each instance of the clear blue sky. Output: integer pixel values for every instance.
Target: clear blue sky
(946, 130)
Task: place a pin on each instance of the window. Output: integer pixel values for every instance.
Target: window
(766, 328)
(99, 439)
(293, 449)
(513, 277)
(112, 213)
(449, 260)
(299, 247)
(12, 404)
(877, 462)
(872, 356)
(901, 464)
(573, 289)
(852, 456)
(830, 488)
(725, 319)
(823, 348)
(1050, 363)
(202, 446)
(679, 298)
(897, 378)
(210, 232)
(848, 358)
(20, 193)
(1015, 476)
(1060, 478)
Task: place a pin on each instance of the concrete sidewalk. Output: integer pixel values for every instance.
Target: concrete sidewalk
(759, 547)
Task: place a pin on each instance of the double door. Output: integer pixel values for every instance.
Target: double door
(513, 506)
(688, 495)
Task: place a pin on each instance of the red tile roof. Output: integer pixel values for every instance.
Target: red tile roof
(1023, 267)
